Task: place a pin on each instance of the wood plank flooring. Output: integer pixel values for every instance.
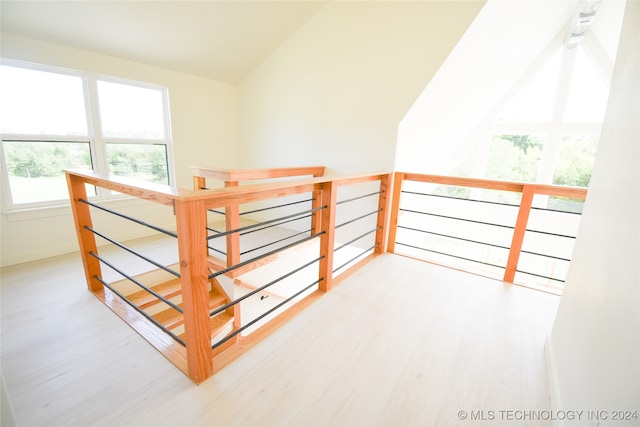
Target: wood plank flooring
(398, 343)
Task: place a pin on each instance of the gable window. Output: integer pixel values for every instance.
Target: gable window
(52, 119)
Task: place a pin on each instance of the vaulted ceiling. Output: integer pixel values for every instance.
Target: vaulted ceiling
(221, 40)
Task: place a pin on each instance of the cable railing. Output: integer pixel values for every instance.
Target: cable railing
(506, 230)
(290, 276)
(358, 224)
(548, 243)
(205, 177)
(194, 309)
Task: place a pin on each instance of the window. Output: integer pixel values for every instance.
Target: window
(53, 119)
(547, 130)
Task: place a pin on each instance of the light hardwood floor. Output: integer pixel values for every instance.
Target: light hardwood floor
(398, 343)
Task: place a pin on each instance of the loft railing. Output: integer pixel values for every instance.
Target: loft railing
(231, 214)
(292, 276)
(184, 307)
(194, 309)
(518, 232)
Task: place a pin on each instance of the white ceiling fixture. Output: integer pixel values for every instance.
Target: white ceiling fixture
(581, 21)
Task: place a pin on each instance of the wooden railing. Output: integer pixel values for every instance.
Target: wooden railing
(188, 332)
(233, 178)
(519, 225)
(192, 350)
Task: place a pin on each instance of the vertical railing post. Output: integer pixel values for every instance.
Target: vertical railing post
(232, 219)
(86, 239)
(384, 202)
(191, 221)
(316, 202)
(395, 210)
(327, 239)
(199, 182)
(518, 233)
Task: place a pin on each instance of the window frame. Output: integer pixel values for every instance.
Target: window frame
(95, 138)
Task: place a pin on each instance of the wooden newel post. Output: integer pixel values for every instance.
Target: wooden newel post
(316, 202)
(518, 233)
(327, 239)
(86, 239)
(384, 202)
(191, 221)
(232, 219)
(395, 210)
(199, 183)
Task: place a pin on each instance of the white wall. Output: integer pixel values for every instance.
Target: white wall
(334, 93)
(594, 347)
(204, 125)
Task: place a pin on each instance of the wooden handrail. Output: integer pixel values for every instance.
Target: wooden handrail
(190, 207)
(490, 184)
(233, 177)
(237, 175)
(528, 190)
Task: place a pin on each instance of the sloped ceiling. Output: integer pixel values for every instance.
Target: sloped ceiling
(497, 49)
(220, 40)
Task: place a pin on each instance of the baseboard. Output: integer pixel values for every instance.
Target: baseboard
(554, 385)
(6, 261)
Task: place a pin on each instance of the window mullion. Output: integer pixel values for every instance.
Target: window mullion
(167, 136)
(551, 149)
(98, 147)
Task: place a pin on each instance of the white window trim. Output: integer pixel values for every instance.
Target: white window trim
(97, 142)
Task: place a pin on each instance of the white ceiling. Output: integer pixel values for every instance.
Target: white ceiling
(221, 40)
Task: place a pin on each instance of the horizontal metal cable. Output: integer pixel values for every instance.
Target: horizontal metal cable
(275, 251)
(275, 207)
(262, 316)
(460, 219)
(455, 237)
(217, 250)
(137, 221)
(451, 255)
(545, 255)
(151, 291)
(214, 230)
(550, 234)
(216, 211)
(274, 242)
(556, 210)
(462, 198)
(541, 276)
(262, 288)
(359, 197)
(250, 227)
(355, 258)
(120, 245)
(358, 218)
(142, 312)
(357, 238)
(286, 221)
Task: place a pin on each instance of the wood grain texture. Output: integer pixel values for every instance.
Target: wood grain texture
(518, 233)
(327, 239)
(466, 182)
(398, 179)
(86, 239)
(382, 221)
(162, 342)
(232, 222)
(217, 265)
(223, 174)
(192, 249)
(153, 192)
